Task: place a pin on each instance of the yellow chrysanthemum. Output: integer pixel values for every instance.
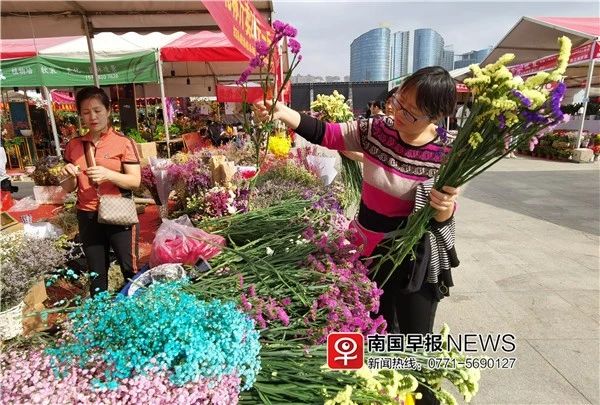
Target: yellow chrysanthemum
(475, 139)
(280, 145)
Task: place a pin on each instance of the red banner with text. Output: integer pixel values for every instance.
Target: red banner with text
(579, 54)
(241, 22)
(243, 25)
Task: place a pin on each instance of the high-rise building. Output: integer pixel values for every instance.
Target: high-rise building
(399, 65)
(448, 58)
(469, 58)
(428, 48)
(370, 56)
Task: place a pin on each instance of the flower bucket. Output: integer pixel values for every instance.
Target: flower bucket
(49, 194)
(11, 322)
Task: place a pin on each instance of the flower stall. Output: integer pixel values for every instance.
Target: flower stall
(256, 270)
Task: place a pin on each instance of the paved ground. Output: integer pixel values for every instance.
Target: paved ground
(528, 240)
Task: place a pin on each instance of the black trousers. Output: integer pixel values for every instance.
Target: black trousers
(406, 313)
(412, 312)
(97, 239)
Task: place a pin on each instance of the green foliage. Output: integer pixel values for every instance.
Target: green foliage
(290, 172)
(136, 135)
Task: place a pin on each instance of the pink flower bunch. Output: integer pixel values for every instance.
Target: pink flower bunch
(352, 297)
(27, 377)
(264, 311)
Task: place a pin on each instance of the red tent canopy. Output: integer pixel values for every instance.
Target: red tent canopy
(590, 26)
(202, 46)
(26, 48)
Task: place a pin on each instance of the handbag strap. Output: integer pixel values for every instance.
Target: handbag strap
(89, 150)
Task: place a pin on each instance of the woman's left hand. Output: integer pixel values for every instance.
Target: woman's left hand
(443, 201)
(98, 174)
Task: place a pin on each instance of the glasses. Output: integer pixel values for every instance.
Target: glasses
(397, 108)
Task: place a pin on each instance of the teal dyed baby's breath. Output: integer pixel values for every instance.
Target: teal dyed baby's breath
(161, 328)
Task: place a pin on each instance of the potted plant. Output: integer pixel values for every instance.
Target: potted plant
(46, 176)
(29, 167)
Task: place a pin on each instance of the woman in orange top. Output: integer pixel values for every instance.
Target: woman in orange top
(111, 166)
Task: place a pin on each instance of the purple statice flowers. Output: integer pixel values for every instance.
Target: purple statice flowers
(348, 304)
(263, 49)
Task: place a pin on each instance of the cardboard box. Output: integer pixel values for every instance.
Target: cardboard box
(9, 224)
(146, 150)
(34, 302)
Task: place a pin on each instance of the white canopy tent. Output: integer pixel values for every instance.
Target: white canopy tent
(108, 45)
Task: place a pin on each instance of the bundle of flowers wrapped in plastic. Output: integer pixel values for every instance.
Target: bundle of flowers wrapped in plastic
(507, 113)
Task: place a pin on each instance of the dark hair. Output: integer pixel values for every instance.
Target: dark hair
(91, 92)
(435, 91)
(376, 103)
(391, 93)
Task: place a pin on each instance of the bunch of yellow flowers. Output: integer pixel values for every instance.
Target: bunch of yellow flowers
(280, 145)
(495, 86)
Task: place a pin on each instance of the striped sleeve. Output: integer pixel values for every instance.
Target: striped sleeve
(441, 236)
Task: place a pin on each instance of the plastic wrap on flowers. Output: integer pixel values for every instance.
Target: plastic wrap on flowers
(162, 328)
(161, 178)
(324, 167)
(178, 241)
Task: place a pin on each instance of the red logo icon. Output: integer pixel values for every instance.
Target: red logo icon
(345, 351)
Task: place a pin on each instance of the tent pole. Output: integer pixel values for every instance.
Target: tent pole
(586, 95)
(50, 112)
(88, 36)
(164, 103)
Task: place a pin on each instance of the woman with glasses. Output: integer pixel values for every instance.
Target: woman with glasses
(402, 153)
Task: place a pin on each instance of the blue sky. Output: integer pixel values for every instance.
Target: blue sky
(326, 28)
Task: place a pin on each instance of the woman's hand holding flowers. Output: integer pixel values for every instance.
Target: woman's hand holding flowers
(444, 201)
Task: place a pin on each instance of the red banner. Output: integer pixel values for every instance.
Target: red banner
(240, 22)
(579, 54)
(235, 94)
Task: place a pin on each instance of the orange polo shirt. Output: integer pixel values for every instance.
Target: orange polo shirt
(113, 151)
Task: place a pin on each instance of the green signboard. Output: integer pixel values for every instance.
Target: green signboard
(67, 72)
